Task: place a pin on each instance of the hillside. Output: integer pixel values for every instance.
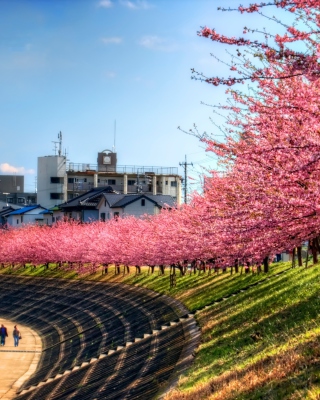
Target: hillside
(260, 332)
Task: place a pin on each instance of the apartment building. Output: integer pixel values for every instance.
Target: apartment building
(60, 181)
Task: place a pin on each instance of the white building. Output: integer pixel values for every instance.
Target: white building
(51, 180)
(27, 215)
(59, 181)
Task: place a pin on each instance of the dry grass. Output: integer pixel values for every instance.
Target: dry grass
(269, 372)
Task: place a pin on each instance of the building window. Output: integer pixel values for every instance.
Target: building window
(70, 180)
(56, 179)
(56, 196)
(131, 182)
(111, 181)
(9, 199)
(21, 218)
(17, 221)
(98, 180)
(166, 182)
(174, 184)
(85, 180)
(21, 200)
(143, 202)
(103, 217)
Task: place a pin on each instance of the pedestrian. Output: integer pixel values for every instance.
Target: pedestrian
(3, 334)
(16, 336)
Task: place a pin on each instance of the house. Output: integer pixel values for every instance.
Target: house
(52, 215)
(84, 207)
(27, 215)
(4, 212)
(105, 203)
(113, 205)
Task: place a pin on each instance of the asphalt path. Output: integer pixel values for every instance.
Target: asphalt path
(17, 363)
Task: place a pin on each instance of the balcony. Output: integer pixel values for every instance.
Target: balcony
(121, 169)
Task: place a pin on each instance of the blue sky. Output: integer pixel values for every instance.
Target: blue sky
(76, 66)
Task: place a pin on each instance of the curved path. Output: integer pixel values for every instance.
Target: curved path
(99, 340)
(17, 363)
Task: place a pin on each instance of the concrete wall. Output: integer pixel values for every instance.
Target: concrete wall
(51, 166)
(11, 183)
(16, 221)
(137, 210)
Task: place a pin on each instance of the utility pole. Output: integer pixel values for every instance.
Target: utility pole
(185, 166)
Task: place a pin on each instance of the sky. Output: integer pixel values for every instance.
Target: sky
(79, 66)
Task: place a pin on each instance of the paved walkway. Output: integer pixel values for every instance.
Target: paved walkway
(17, 363)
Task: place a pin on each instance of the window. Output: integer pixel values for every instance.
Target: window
(21, 200)
(98, 180)
(85, 180)
(111, 181)
(17, 221)
(9, 199)
(56, 179)
(21, 218)
(131, 182)
(103, 217)
(70, 180)
(166, 182)
(174, 184)
(143, 202)
(56, 196)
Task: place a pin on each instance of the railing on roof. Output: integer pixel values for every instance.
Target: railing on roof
(122, 169)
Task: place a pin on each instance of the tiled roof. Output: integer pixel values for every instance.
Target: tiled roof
(87, 198)
(113, 198)
(160, 200)
(6, 210)
(25, 209)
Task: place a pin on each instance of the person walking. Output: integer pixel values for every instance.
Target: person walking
(16, 336)
(3, 334)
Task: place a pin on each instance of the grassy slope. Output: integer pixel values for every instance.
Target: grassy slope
(262, 343)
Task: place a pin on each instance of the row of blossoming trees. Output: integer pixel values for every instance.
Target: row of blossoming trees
(267, 200)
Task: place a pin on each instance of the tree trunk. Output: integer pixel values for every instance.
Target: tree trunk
(266, 264)
(293, 257)
(236, 266)
(299, 253)
(314, 251)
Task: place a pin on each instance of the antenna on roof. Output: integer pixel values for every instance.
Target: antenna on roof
(114, 136)
(60, 143)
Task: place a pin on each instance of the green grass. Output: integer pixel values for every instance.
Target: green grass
(262, 343)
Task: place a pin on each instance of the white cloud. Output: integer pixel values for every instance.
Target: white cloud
(136, 5)
(111, 40)
(156, 43)
(7, 168)
(105, 4)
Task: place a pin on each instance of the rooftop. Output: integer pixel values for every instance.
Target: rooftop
(122, 169)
